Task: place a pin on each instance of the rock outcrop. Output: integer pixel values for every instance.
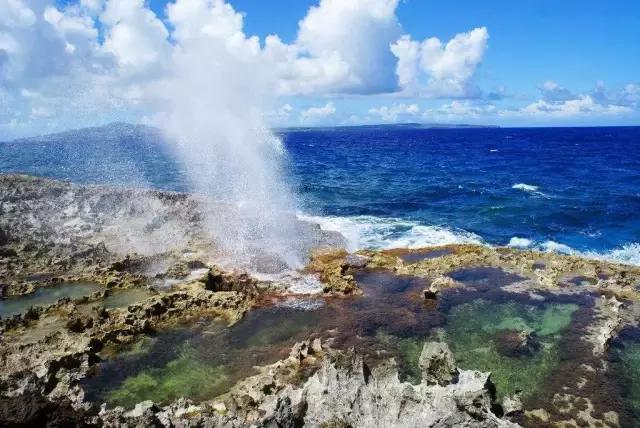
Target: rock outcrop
(343, 392)
(437, 364)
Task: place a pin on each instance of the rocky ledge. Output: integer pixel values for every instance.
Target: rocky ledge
(343, 392)
(55, 233)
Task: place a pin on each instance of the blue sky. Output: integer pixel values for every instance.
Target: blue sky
(509, 63)
(573, 42)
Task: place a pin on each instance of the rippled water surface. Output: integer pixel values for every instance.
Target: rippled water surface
(552, 188)
(45, 296)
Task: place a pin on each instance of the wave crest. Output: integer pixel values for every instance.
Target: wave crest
(384, 233)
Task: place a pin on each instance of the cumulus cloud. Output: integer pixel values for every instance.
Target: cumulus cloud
(436, 69)
(280, 115)
(395, 112)
(583, 105)
(580, 107)
(317, 113)
(551, 91)
(135, 37)
(342, 46)
(69, 64)
(357, 34)
(459, 110)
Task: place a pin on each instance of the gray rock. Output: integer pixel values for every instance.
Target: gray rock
(512, 404)
(140, 409)
(359, 398)
(437, 364)
(356, 261)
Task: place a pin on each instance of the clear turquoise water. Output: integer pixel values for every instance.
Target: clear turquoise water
(45, 296)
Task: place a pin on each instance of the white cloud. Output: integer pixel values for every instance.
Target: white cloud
(395, 112)
(551, 91)
(435, 69)
(313, 114)
(356, 34)
(630, 94)
(15, 13)
(92, 6)
(280, 115)
(459, 110)
(96, 60)
(135, 36)
(582, 106)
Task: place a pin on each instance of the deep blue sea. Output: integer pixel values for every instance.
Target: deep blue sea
(560, 189)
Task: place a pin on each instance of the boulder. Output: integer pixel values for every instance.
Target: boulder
(356, 261)
(437, 285)
(80, 323)
(512, 404)
(437, 364)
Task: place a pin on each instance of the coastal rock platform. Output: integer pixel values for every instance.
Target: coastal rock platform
(117, 311)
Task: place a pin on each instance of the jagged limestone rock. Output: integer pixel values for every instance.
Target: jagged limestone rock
(437, 364)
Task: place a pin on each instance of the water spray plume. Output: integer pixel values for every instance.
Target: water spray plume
(215, 124)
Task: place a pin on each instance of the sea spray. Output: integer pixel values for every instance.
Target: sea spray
(214, 123)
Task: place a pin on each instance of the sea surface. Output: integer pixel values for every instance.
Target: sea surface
(573, 190)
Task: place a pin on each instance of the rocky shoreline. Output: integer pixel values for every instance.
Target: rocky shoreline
(122, 239)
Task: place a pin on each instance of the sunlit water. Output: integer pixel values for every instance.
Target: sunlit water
(559, 189)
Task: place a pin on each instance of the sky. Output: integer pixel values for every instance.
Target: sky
(73, 63)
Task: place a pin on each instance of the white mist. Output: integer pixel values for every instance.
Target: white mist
(215, 95)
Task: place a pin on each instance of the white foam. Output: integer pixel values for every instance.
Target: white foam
(295, 282)
(517, 242)
(362, 232)
(525, 187)
(626, 254)
(383, 233)
(301, 303)
(529, 188)
(556, 247)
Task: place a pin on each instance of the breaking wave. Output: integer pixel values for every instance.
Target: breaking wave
(370, 232)
(625, 254)
(383, 233)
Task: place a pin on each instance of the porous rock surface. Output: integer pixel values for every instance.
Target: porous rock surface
(343, 392)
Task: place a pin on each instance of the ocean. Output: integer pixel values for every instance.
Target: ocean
(571, 190)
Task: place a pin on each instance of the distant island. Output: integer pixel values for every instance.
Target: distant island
(116, 131)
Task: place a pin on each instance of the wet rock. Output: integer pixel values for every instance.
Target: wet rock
(343, 392)
(33, 411)
(269, 263)
(80, 323)
(437, 285)
(437, 364)
(356, 261)
(218, 280)
(514, 343)
(335, 275)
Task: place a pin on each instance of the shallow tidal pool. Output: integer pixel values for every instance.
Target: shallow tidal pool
(524, 341)
(45, 296)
